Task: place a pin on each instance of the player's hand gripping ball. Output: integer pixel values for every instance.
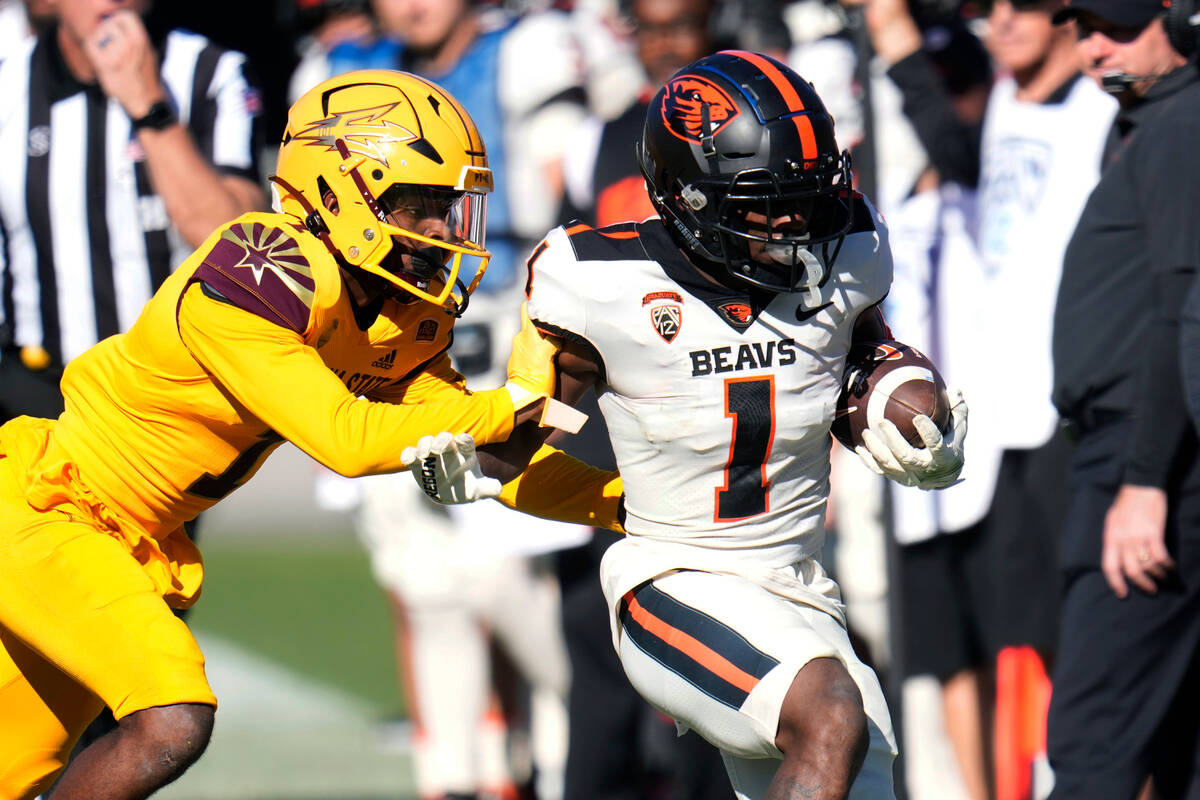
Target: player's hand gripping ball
(895, 413)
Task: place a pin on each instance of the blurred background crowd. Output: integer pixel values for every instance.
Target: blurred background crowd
(976, 133)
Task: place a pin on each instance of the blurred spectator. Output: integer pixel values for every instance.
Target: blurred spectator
(602, 180)
(1034, 161)
(1125, 681)
(20, 19)
(323, 25)
(756, 25)
(866, 106)
(456, 577)
(460, 579)
(118, 163)
(522, 81)
(941, 582)
(614, 74)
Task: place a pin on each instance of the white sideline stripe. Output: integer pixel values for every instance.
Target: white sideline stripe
(280, 735)
(250, 687)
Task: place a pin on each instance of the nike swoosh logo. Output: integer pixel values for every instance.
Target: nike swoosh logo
(804, 314)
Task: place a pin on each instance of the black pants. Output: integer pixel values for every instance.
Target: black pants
(1126, 699)
(25, 392)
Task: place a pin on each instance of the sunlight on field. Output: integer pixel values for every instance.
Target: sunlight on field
(280, 735)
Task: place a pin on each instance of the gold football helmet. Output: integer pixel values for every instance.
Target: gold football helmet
(390, 172)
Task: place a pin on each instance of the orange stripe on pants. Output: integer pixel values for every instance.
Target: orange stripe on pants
(699, 652)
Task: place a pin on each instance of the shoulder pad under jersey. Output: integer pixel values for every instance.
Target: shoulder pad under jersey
(557, 283)
(261, 269)
(619, 242)
(866, 255)
(865, 214)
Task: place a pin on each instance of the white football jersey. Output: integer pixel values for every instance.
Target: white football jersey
(718, 407)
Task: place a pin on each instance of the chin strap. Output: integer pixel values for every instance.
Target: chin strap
(312, 217)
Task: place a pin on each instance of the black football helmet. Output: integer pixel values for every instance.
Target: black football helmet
(740, 160)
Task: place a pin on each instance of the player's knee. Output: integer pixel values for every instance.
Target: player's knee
(170, 737)
(823, 717)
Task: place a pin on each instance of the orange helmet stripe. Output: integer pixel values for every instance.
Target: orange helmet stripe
(808, 139)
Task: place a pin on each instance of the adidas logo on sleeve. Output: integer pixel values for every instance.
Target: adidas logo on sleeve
(385, 362)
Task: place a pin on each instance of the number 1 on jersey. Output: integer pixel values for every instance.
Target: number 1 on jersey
(750, 403)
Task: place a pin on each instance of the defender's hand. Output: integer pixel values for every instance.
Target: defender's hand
(532, 376)
(531, 371)
(446, 468)
(935, 466)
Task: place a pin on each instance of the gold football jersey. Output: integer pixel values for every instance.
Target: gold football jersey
(251, 342)
(254, 340)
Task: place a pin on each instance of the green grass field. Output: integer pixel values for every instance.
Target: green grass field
(310, 605)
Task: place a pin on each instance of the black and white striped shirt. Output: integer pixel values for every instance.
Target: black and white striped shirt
(84, 240)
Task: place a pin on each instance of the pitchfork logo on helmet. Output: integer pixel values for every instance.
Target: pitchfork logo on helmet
(690, 101)
(366, 131)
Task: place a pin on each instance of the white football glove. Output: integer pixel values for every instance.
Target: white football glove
(935, 466)
(446, 469)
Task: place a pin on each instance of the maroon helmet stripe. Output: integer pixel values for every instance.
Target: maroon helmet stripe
(808, 138)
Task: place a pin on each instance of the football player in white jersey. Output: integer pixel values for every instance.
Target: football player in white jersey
(716, 335)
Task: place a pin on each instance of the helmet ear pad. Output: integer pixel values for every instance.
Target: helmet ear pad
(694, 233)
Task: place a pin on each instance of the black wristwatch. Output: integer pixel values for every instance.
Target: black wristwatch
(160, 116)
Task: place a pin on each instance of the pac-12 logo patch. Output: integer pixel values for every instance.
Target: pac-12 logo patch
(666, 319)
(683, 103)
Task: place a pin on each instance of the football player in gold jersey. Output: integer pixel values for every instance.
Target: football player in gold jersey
(327, 325)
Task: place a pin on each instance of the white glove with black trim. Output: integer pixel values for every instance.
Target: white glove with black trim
(446, 469)
(935, 466)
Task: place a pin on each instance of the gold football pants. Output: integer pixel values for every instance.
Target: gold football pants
(81, 626)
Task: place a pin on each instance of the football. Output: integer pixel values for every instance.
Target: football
(889, 380)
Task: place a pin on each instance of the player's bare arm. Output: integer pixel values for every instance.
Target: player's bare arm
(577, 371)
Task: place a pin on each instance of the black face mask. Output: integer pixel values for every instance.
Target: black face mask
(425, 264)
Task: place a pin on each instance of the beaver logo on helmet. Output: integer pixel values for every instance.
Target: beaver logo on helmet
(683, 104)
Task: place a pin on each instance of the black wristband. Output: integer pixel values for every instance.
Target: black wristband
(159, 117)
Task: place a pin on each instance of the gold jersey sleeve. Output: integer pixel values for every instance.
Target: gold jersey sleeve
(286, 385)
(560, 487)
(254, 341)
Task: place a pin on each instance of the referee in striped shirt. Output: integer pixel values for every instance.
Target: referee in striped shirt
(118, 155)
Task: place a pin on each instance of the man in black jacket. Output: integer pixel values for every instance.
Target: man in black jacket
(1124, 705)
